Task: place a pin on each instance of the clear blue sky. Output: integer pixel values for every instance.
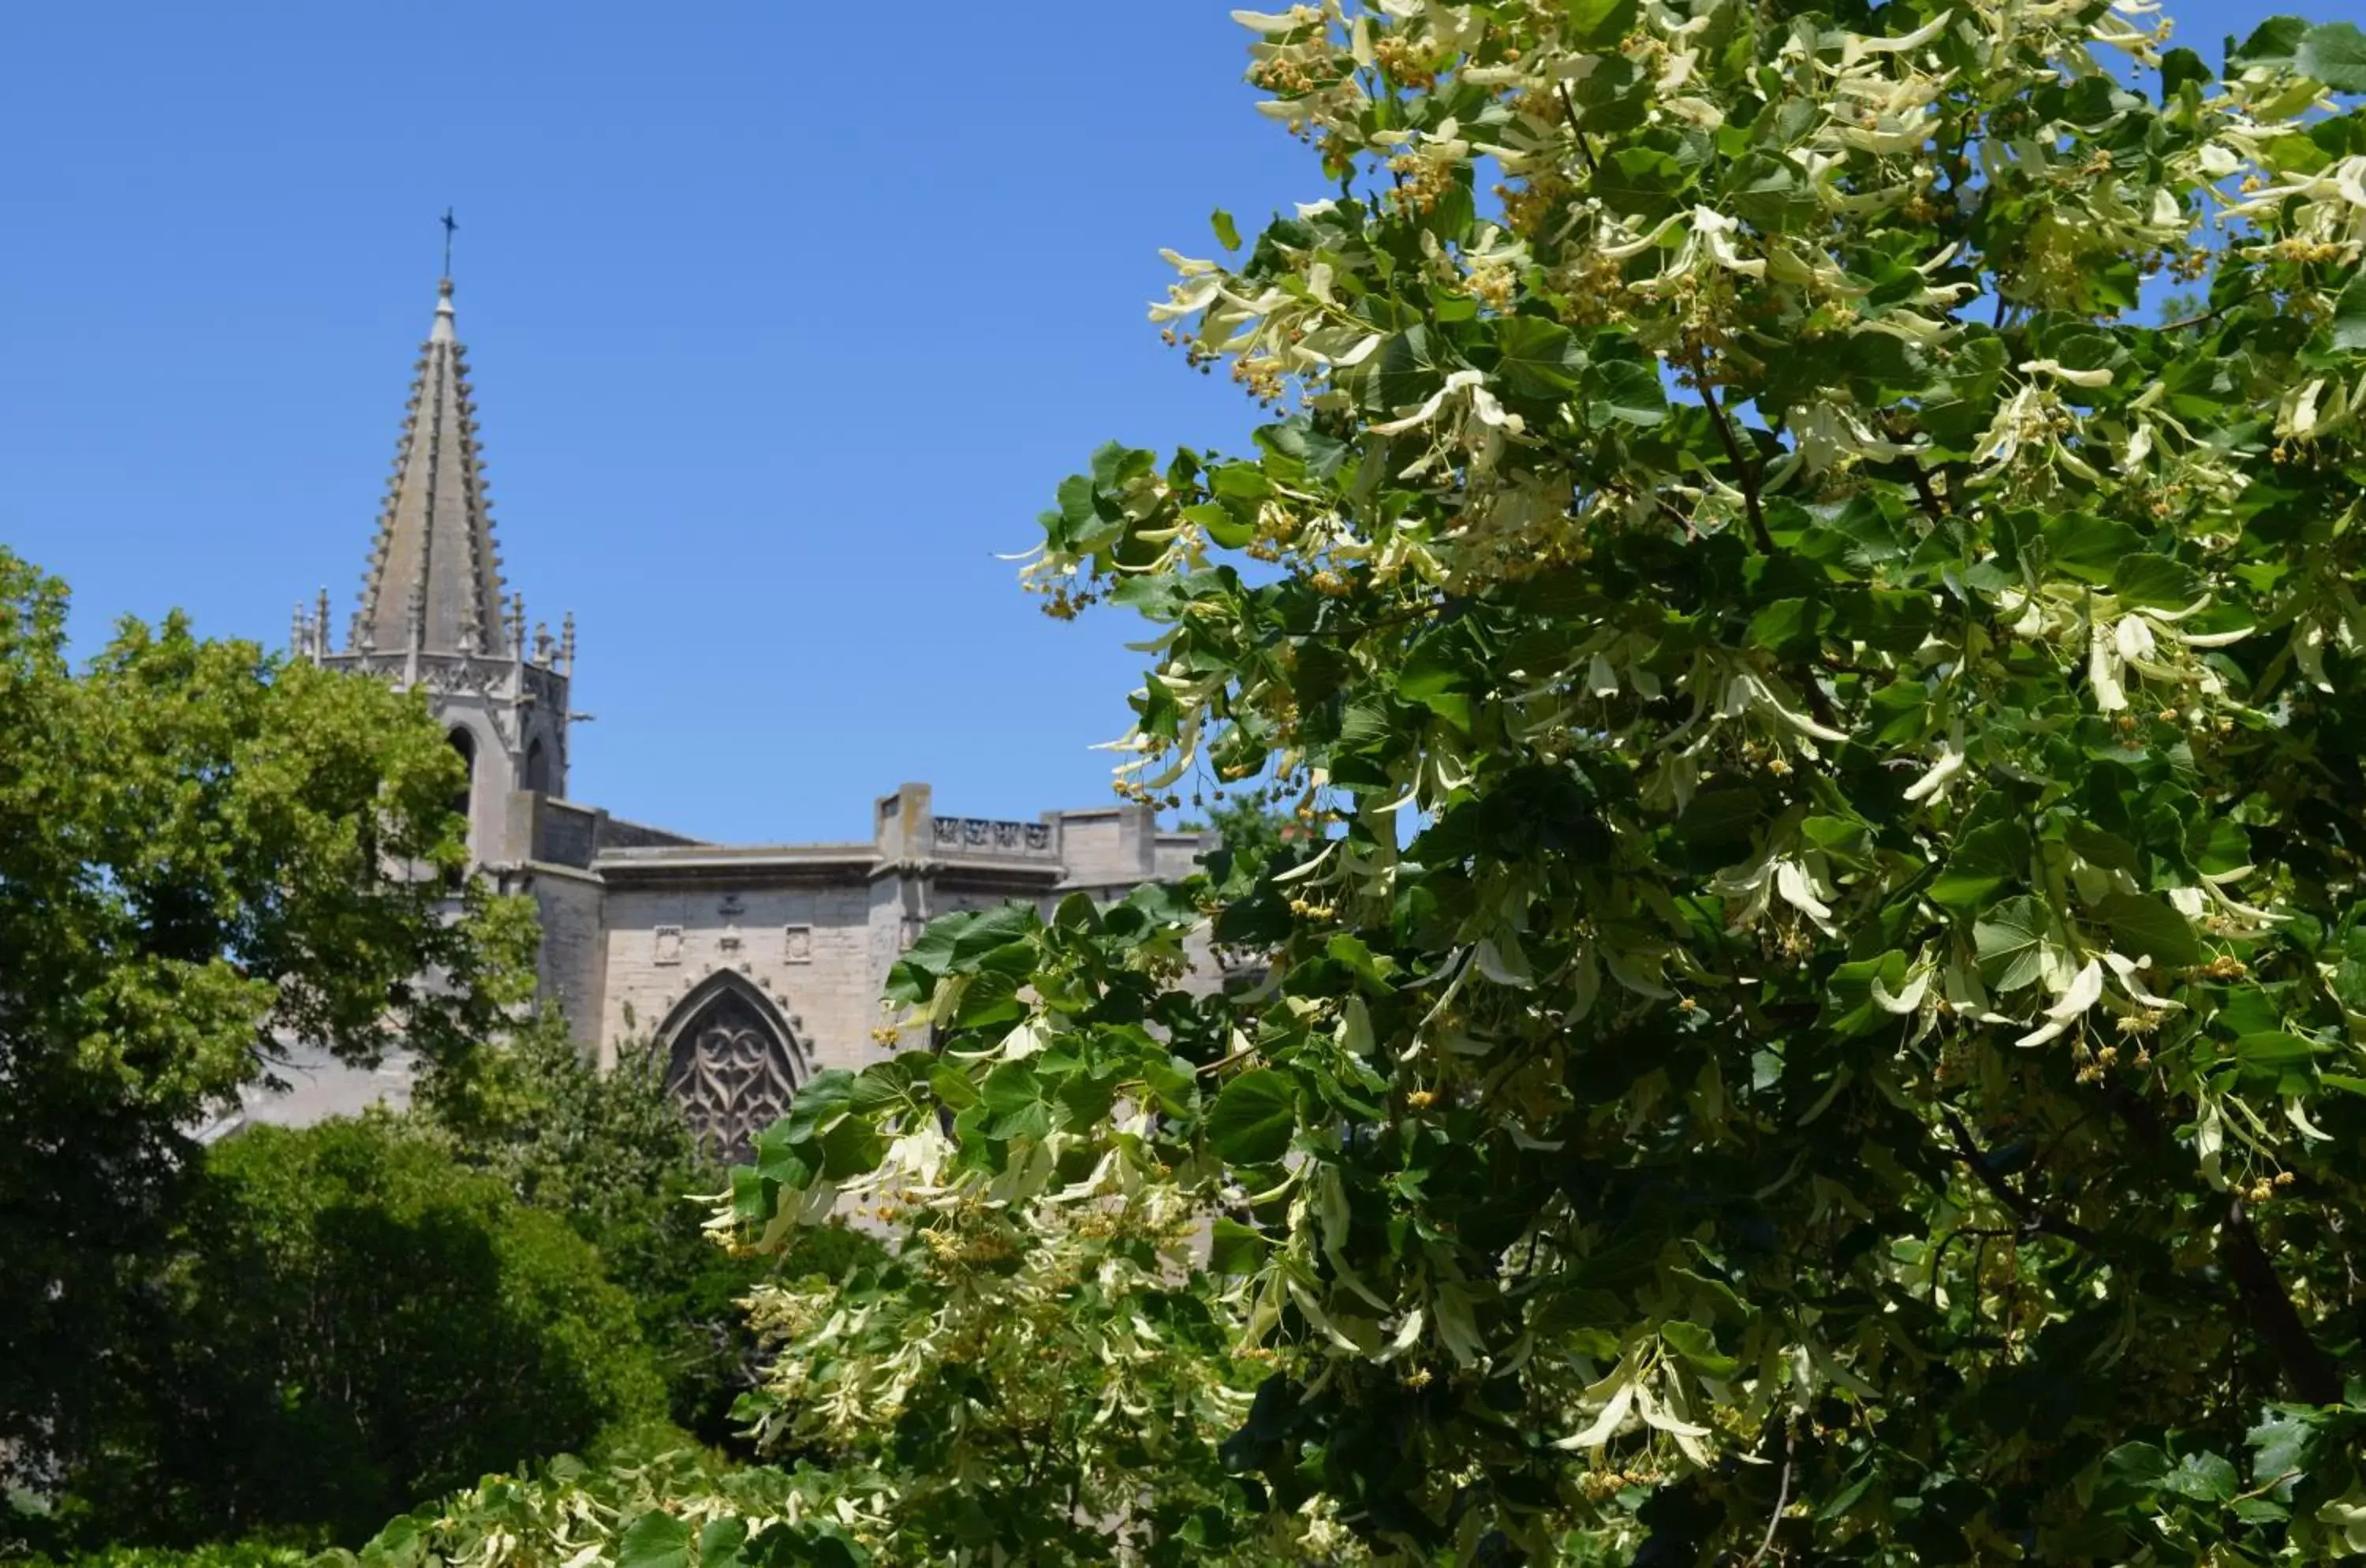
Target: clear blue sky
(784, 322)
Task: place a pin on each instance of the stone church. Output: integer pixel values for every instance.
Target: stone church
(750, 966)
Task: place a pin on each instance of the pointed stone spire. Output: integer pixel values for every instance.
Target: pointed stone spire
(434, 584)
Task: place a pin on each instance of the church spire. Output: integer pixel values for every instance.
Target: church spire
(434, 585)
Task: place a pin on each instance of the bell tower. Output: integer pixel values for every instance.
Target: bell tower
(432, 612)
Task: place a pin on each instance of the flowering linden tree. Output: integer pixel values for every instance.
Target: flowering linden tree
(1803, 571)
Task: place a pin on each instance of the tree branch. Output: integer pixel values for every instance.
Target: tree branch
(2032, 1218)
(1782, 1501)
(2205, 318)
(1744, 466)
(1928, 497)
(1577, 131)
(2315, 1376)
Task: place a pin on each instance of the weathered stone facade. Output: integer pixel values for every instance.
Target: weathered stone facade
(640, 926)
(752, 967)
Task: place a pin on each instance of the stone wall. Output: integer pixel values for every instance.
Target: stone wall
(615, 834)
(564, 833)
(572, 971)
(653, 917)
(807, 948)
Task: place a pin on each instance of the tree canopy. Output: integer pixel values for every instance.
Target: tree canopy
(1826, 1018)
(351, 1322)
(205, 853)
(1820, 1016)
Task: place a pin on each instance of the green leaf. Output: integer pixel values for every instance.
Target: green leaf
(2096, 847)
(2143, 924)
(849, 1148)
(2204, 1477)
(931, 956)
(1227, 234)
(1790, 627)
(1626, 392)
(1697, 1346)
(1439, 674)
(1598, 23)
(1229, 532)
(2010, 942)
(779, 1158)
(1235, 1249)
(1613, 97)
(2154, 581)
(1413, 365)
(2349, 316)
(656, 1539)
(2271, 1052)
(1010, 1087)
(1772, 193)
(988, 998)
(2273, 43)
(2217, 845)
(820, 1102)
(2335, 54)
(2131, 1473)
(719, 1543)
(2284, 1442)
(1253, 1118)
(1849, 1007)
(1987, 858)
(952, 1088)
(2089, 548)
(1537, 358)
(1856, 534)
(2177, 67)
(992, 929)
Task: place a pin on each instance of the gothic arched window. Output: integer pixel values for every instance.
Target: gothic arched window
(464, 803)
(466, 745)
(732, 1067)
(538, 768)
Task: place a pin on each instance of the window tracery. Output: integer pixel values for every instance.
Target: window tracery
(732, 1072)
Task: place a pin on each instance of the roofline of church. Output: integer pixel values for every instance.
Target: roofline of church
(646, 868)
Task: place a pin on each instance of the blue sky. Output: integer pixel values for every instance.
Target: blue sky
(783, 322)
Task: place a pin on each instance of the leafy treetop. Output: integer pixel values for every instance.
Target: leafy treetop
(1826, 1017)
(204, 852)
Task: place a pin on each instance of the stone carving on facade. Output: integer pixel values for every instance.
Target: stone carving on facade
(668, 946)
(729, 941)
(732, 1075)
(990, 836)
(797, 945)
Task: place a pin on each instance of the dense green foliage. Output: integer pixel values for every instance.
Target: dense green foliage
(349, 1323)
(1248, 833)
(672, 1509)
(1828, 1022)
(357, 1317)
(1825, 1020)
(609, 1153)
(231, 1555)
(203, 850)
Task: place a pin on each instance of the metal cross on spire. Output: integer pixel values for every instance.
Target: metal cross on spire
(450, 229)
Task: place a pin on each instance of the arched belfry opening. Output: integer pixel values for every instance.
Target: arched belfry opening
(464, 803)
(732, 1065)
